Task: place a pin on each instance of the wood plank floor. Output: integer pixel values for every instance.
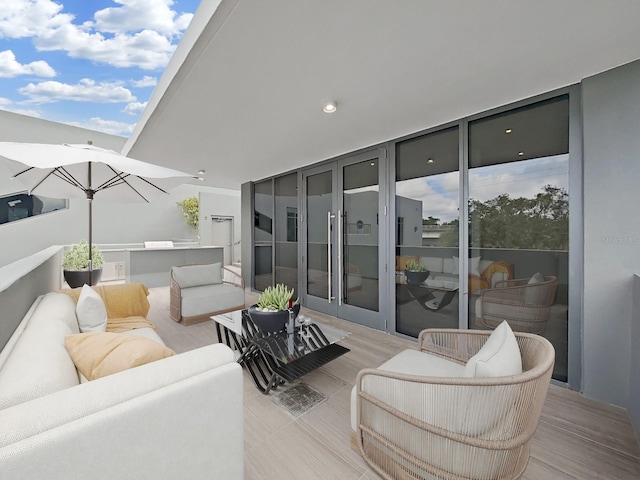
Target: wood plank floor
(577, 438)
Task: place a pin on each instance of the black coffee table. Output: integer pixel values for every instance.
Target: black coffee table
(278, 357)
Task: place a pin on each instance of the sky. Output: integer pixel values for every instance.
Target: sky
(88, 63)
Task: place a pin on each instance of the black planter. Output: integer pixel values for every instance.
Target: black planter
(416, 278)
(271, 321)
(78, 278)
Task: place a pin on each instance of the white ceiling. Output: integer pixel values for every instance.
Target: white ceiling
(243, 95)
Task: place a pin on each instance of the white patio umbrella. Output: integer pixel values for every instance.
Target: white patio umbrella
(84, 170)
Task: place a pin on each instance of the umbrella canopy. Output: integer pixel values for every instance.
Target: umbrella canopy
(84, 170)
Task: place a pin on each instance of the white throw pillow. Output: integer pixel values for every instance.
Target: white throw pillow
(474, 265)
(91, 312)
(498, 357)
(531, 295)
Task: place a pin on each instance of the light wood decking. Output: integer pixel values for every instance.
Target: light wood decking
(577, 438)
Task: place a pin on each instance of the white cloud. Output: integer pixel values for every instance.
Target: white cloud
(140, 33)
(10, 106)
(135, 15)
(106, 126)
(28, 18)
(10, 67)
(145, 81)
(135, 108)
(86, 90)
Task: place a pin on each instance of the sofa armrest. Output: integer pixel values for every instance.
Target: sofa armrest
(180, 417)
(231, 277)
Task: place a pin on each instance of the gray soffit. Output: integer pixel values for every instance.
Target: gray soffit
(242, 98)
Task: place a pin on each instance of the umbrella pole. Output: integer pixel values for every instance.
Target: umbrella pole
(90, 199)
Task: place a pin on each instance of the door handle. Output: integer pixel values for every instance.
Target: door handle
(339, 257)
(329, 272)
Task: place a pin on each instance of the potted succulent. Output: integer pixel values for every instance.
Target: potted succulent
(271, 312)
(415, 272)
(75, 264)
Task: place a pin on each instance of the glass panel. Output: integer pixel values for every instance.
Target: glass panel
(319, 203)
(22, 205)
(427, 232)
(263, 234)
(360, 235)
(519, 222)
(286, 189)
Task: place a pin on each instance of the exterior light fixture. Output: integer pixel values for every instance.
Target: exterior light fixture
(430, 160)
(201, 179)
(508, 130)
(520, 154)
(201, 172)
(373, 164)
(329, 107)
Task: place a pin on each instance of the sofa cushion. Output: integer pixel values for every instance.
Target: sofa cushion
(99, 354)
(210, 298)
(499, 356)
(474, 265)
(196, 275)
(91, 312)
(38, 363)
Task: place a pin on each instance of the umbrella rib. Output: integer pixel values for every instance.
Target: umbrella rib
(120, 177)
(59, 172)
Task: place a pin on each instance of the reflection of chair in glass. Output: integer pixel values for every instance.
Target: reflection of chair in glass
(524, 303)
(425, 414)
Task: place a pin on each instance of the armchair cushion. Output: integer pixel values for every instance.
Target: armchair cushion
(499, 356)
(91, 312)
(474, 265)
(99, 354)
(531, 294)
(197, 275)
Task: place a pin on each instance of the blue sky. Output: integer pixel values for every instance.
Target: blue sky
(89, 63)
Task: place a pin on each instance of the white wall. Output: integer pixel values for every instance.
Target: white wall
(222, 203)
(611, 111)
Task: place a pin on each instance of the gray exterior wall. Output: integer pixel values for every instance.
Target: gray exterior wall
(611, 112)
(634, 379)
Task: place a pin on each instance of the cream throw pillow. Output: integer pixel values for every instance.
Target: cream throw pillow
(498, 357)
(100, 354)
(90, 310)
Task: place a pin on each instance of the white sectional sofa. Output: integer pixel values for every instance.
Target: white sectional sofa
(179, 417)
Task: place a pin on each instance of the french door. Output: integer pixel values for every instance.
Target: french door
(343, 224)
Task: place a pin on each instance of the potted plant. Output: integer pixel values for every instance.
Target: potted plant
(190, 211)
(415, 272)
(75, 264)
(271, 312)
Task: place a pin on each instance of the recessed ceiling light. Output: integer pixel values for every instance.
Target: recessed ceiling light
(520, 154)
(201, 179)
(329, 107)
(508, 130)
(201, 172)
(373, 163)
(430, 160)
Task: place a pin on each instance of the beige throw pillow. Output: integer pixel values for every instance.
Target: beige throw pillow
(99, 354)
(90, 310)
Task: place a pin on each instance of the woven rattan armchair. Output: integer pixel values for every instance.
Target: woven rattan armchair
(409, 426)
(525, 306)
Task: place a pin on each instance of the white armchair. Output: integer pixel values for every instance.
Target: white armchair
(420, 415)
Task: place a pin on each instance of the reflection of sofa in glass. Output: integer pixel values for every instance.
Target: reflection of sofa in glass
(444, 271)
(524, 303)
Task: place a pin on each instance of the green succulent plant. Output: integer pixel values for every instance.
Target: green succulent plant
(414, 265)
(76, 257)
(276, 298)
